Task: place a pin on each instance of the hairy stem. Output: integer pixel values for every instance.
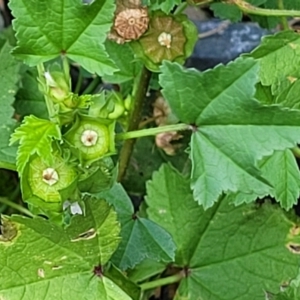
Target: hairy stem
(16, 206)
(152, 131)
(162, 281)
(250, 9)
(134, 120)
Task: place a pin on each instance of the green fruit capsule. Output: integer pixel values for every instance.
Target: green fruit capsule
(47, 180)
(94, 138)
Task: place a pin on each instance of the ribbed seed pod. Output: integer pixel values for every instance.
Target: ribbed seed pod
(46, 180)
(168, 37)
(92, 137)
(131, 23)
(165, 39)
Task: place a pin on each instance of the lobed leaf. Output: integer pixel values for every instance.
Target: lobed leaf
(41, 260)
(35, 136)
(278, 56)
(141, 238)
(233, 130)
(68, 27)
(228, 252)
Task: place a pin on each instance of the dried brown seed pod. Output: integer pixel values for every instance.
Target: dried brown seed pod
(131, 23)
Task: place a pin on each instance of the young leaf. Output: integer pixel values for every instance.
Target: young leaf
(232, 130)
(123, 57)
(58, 261)
(141, 238)
(229, 252)
(279, 57)
(35, 136)
(9, 69)
(68, 28)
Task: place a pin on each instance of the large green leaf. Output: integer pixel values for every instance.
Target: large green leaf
(141, 238)
(232, 129)
(40, 260)
(35, 136)
(229, 252)
(9, 69)
(67, 27)
(279, 57)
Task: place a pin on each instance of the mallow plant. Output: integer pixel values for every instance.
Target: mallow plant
(217, 218)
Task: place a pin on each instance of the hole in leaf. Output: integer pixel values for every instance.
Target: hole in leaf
(87, 235)
(294, 248)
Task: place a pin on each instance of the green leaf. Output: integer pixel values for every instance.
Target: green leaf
(282, 171)
(226, 11)
(59, 262)
(9, 70)
(141, 238)
(69, 28)
(35, 136)
(229, 252)
(7, 153)
(124, 59)
(233, 130)
(29, 99)
(278, 56)
(289, 97)
(164, 5)
(230, 11)
(292, 292)
(160, 197)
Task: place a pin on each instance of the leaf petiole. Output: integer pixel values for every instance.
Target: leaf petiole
(162, 281)
(152, 131)
(16, 206)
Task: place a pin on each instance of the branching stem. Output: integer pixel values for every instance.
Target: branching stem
(134, 120)
(250, 9)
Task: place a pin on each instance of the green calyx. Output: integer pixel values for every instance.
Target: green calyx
(92, 137)
(46, 180)
(167, 38)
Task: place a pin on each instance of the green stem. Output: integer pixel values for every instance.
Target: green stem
(180, 8)
(7, 166)
(78, 83)
(250, 9)
(162, 281)
(16, 206)
(152, 131)
(296, 152)
(134, 120)
(284, 22)
(91, 87)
